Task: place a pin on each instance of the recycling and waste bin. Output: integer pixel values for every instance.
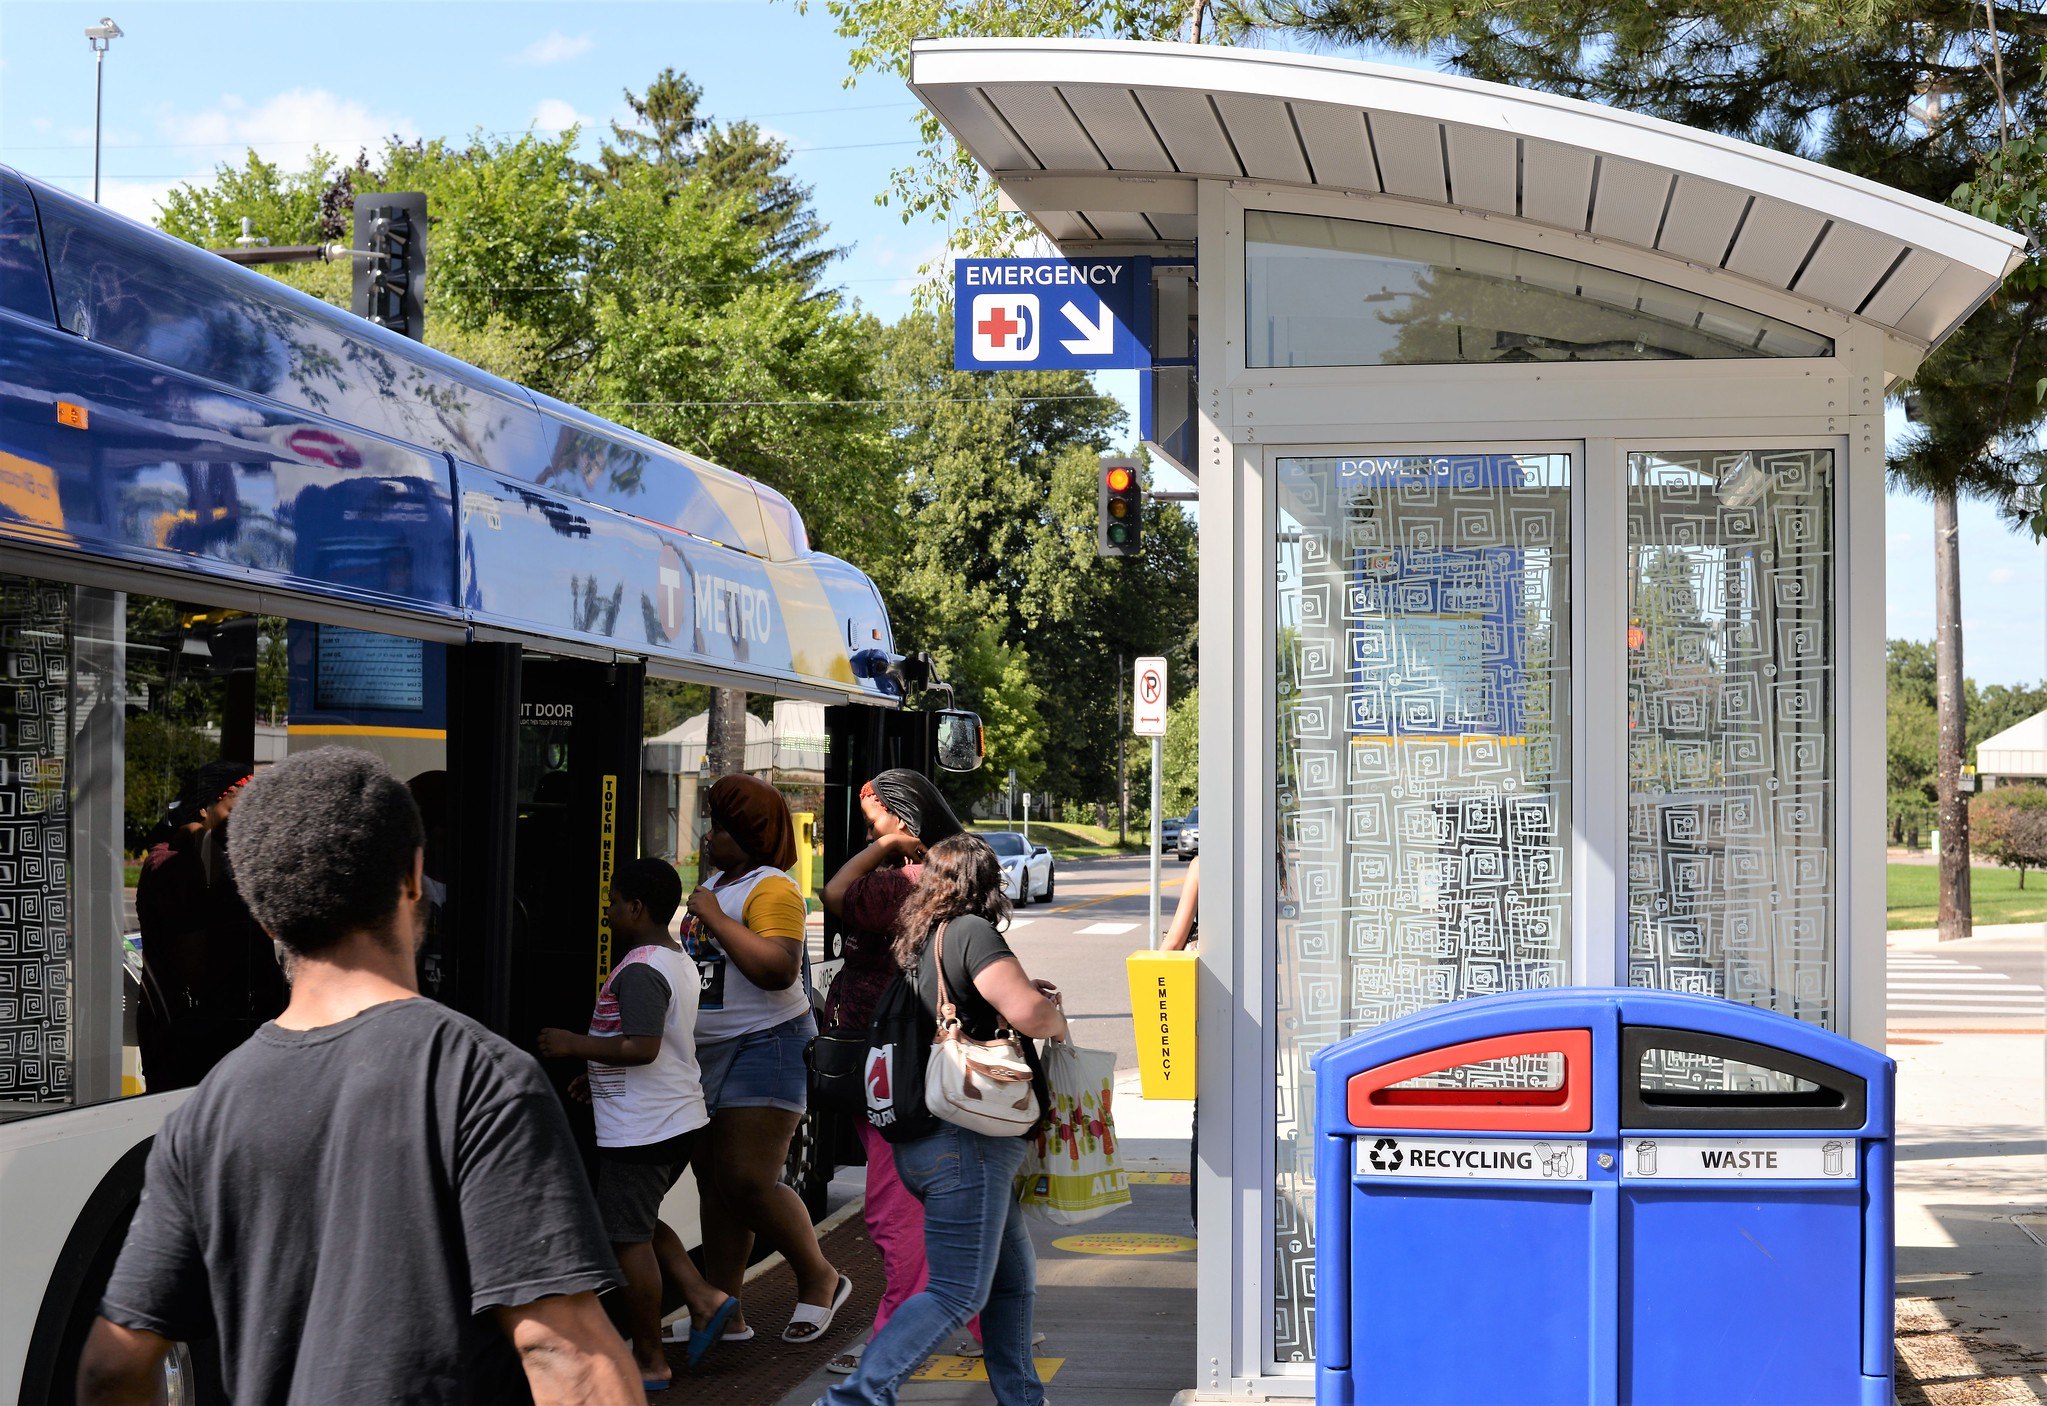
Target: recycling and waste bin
(1603, 1196)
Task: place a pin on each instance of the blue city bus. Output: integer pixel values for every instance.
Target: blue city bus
(237, 522)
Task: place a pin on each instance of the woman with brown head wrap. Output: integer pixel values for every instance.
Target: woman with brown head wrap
(745, 930)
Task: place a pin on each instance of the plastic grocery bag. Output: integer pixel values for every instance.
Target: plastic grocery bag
(1071, 1172)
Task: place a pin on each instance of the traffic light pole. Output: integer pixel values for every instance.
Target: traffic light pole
(1158, 764)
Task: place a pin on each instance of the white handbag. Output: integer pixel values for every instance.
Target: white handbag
(983, 1086)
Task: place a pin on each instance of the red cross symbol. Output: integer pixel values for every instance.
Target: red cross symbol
(997, 327)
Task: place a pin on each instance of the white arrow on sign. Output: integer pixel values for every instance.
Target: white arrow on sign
(1095, 340)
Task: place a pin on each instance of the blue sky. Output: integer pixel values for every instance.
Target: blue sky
(194, 84)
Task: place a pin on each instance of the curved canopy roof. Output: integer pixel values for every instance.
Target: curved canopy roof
(1101, 141)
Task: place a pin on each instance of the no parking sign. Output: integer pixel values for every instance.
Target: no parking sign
(1149, 691)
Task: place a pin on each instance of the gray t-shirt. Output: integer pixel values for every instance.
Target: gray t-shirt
(345, 1205)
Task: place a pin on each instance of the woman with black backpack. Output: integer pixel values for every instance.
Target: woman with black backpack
(955, 962)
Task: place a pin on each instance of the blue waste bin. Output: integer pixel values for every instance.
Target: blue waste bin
(1603, 1197)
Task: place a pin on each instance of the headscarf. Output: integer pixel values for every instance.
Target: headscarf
(754, 814)
(205, 786)
(911, 798)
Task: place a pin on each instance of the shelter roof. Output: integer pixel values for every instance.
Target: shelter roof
(1101, 142)
(2020, 750)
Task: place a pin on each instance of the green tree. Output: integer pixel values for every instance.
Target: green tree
(943, 182)
(997, 477)
(670, 135)
(2011, 827)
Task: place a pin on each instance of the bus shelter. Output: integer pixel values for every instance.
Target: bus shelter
(1538, 446)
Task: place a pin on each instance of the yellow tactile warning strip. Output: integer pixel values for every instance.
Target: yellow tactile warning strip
(1124, 1243)
(943, 1367)
(1939, 1364)
(1158, 1178)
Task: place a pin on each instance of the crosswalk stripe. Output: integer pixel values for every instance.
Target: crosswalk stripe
(1921, 984)
(1107, 929)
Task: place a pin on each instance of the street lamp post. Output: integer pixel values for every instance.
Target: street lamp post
(99, 36)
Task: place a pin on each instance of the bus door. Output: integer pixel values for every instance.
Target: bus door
(865, 740)
(577, 806)
(544, 756)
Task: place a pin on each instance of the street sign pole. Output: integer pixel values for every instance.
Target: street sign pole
(1148, 697)
(1158, 764)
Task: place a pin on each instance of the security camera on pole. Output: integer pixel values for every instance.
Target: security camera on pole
(1148, 693)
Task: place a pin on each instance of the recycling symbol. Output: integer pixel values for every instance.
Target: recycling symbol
(1385, 1155)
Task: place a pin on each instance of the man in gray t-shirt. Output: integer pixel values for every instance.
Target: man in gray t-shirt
(374, 1198)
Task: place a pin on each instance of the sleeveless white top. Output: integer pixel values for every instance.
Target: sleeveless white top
(639, 1104)
(728, 1005)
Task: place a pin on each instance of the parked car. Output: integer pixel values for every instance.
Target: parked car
(1190, 836)
(1169, 832)
(1026, 868)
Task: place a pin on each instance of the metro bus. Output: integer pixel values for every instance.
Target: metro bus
(237, 522)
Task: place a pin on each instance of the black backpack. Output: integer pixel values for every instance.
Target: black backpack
(898, 1045)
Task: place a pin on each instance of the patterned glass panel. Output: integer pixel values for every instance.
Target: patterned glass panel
(1423, 678)
(35, 843)
(1731, 736)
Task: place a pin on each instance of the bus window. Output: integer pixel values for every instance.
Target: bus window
(785, 746)
(128, 724)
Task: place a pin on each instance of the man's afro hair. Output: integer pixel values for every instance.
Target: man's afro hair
(320, 843)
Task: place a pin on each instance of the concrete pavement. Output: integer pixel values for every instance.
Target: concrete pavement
(1971, 1176)
(1971, 1180)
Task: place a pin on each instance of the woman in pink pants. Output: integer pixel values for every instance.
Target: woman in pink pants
(905, 815)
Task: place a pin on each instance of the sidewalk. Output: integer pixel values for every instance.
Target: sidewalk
(1972, 1208)
(1115, 1296)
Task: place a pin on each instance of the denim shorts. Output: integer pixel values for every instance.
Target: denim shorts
(764, 1069)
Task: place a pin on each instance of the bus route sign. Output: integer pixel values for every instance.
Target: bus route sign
(1051, 314)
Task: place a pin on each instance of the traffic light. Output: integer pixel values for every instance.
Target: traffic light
(1119, 528)
(390, 261)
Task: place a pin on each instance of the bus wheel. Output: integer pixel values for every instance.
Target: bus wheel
(808, 1172)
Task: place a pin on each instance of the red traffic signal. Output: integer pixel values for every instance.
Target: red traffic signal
(1119, 528)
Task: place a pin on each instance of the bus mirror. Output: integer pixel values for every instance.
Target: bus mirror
(960, 745)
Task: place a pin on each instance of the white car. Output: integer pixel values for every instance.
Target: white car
(1026, 868)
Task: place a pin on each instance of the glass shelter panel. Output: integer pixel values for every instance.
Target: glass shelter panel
(1424, 811)
(1330, 292)
(1731, 781)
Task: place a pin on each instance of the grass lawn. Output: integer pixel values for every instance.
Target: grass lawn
(1913, 900)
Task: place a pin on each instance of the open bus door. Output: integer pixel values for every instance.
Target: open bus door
(545, 763)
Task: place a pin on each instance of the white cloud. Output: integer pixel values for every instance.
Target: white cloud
(2003, 576)
(554, 115)
(555, 47)
(285, 128)
(138, 200)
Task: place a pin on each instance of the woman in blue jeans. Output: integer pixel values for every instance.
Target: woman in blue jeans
(974, 1237)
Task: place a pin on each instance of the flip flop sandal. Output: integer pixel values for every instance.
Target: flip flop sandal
(847, 1362)
(652, 1387)
(712, 1332)
(678, 1332)
(812, 1321)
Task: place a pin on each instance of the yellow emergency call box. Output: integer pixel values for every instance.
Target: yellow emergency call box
(1162, 986)
(806, 851)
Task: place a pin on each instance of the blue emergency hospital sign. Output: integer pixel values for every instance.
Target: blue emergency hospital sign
(1051, 314)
